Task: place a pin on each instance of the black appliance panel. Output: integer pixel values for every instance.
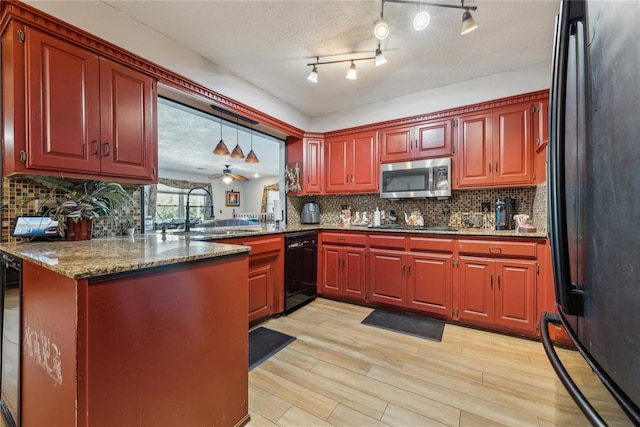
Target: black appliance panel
(300, 265)
(593, 188)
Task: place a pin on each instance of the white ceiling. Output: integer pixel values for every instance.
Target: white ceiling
(267, 44)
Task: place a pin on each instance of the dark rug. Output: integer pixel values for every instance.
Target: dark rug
(264, 343)
(406, 323)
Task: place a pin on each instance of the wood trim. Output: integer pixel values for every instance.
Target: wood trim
(15, 10)
(413, 120)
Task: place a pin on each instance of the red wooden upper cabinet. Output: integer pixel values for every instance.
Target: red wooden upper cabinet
(312, 170)
(495, 148)
(352, 163)
(430, 139)
(72, 112)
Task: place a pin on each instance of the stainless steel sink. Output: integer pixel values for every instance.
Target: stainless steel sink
(442, 228)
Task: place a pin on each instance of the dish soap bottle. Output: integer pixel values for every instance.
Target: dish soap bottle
(376, 218)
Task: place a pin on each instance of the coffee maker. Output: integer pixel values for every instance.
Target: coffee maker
(505, 209)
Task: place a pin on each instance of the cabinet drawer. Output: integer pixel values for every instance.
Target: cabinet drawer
(351, 239)
(426, 244)
(259, 245)
(487, 247)
(388, 241)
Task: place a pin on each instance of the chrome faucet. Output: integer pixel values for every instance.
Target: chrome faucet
(187, 226)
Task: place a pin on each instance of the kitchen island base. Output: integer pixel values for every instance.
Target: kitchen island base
(160, 346)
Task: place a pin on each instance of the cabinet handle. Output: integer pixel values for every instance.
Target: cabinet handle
(404, 267)
(95, 153)
(307, 179)
(496, 167)
(106, 144)
(498, 282)
(491, 282)
(489, 167)
(409, 271)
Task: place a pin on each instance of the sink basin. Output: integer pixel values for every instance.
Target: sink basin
(442, 228)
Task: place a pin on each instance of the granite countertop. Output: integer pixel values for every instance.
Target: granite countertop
(102, 256)
(98, 257)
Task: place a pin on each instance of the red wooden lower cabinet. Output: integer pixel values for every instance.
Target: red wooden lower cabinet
(498, 292)
(387, 277)
(430, 283)
(163, 346)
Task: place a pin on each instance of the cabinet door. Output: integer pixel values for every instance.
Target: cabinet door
(331, 270)
(353, 265)
(512, 149)
(515, 294)
(387, 277)
(476, 289)
(397, 144)
(429, 284)
(475, 154)
(364, 170)
(337, 153)
(312, 168)
(434, 139)
(260, 291)
(128, 142)
(63, 99)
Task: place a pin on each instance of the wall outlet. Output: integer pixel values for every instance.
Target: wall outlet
(486, 207)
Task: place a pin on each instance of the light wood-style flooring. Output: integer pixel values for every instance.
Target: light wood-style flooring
(339, 372)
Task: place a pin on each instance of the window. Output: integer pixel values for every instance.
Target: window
(171, 204)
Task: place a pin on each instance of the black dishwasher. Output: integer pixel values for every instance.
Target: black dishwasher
(300, 269)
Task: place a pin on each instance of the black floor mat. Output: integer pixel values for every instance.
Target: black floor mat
(406, 324)
(264, 343)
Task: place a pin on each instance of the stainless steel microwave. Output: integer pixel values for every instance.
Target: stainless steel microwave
(418, 178)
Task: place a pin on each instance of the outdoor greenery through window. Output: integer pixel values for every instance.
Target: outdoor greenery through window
(171, 207)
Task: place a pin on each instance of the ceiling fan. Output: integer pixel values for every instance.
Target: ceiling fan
(227, 176)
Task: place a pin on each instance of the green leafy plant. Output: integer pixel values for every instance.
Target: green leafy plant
(126, 224)
(80, 199)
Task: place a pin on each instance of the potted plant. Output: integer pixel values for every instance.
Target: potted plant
(82, 202)
(127, 227)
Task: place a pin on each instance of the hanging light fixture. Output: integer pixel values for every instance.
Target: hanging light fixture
(251, 157)
(227, 179)
(221, 148)
(313, 75)
(380, 59)
(237, 151)
(352, 74)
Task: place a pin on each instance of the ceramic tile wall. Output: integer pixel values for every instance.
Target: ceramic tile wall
(530, 201)
(13, 190)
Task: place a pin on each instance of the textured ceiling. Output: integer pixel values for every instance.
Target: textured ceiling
(268, 43)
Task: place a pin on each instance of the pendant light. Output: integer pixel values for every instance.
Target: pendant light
(221, 149)
(237, 151)
(251, 157)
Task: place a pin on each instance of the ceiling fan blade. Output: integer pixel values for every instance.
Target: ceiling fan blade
(238, 177)
(215, 176)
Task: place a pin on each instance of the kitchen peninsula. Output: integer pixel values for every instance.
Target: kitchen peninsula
(150, 330)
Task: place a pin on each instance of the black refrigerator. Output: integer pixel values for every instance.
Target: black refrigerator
(594, 195)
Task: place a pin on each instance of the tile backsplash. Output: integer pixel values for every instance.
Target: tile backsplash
(14, 190)
(529, 200)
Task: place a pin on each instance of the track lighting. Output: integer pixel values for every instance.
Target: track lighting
(313, 75)
(421, 21)
(380, 59)
(352, 74)
(468, 24)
